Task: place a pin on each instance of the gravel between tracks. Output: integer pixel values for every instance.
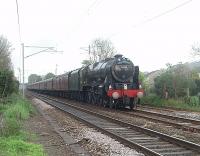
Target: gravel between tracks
(173, 112)
(92, 140)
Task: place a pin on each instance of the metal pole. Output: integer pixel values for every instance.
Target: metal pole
(199, 96)
(23, 69)
(56, 69)
(89, 52)
(20, 76)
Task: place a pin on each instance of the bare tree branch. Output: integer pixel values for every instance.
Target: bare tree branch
(5, 49)
(4, 89)
(101, 49)
(196, 50)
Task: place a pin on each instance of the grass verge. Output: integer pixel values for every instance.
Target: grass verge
(155, 101)
(13, 141)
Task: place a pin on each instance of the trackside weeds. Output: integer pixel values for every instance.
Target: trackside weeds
(13, 141)
(188, 104)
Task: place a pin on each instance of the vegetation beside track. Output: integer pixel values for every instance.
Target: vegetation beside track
(177, 87)
(191, 103)
(13, 140)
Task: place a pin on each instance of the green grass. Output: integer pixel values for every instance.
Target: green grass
(20, 110)
(155, 101)
(14, 112)
(13, 141)
(17, 147)
(2, 107)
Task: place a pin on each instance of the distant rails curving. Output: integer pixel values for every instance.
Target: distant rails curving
(112, 83)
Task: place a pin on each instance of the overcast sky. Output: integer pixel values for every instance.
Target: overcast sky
(71, 24)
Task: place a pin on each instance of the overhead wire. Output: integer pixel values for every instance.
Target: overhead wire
(86, 13)
(156, 16)
(92, 5)
(166, 12)
(20, 38)
(18, 21)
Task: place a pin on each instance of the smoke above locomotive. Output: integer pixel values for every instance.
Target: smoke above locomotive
(111, 82)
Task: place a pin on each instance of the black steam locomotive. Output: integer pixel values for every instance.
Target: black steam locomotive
(112, 82)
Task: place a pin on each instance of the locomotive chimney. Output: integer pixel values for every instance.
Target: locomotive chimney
(118, 56)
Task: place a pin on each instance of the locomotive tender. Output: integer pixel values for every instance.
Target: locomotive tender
(112, 82)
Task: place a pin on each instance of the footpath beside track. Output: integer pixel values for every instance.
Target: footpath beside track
(147, 141)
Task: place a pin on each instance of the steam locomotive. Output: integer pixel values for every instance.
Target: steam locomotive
(112, 83)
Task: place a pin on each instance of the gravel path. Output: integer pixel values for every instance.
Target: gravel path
(52, 143)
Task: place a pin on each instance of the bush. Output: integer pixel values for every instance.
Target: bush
(190, 103)
(152, 100)
(192, 100)
(8, 84)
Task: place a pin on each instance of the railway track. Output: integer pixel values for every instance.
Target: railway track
(149, 142)
(178, 122)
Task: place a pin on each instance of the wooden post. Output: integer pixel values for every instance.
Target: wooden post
(188, 92)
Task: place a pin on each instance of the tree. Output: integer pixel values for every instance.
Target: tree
(177, 81)
(8, 84)
(86, 62)
(143, 81)
(164, 83)
(99, 49)
(5, 50)
(48, 76)
(196, 50)
(34, 78)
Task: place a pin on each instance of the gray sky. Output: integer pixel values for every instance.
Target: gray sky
(71, 24)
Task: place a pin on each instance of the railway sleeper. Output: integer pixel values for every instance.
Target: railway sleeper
(114, 128)
(181, 153)
(139, 141)
(142, 140)
(155, 143)
(131, 136)
(167, 145)
(172, 149)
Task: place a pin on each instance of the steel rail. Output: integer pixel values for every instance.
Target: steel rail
(169, 109)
